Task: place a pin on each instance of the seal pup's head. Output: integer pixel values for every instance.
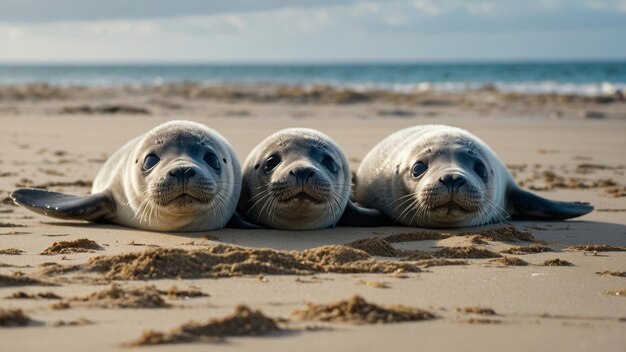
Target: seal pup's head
(183, 173)
(296, 179)
(446, 179)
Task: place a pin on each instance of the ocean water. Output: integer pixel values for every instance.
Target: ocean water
(583, 78)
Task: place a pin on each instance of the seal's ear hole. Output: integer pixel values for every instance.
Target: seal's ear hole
(256, 167)
(136, 161)
(398, 169)
(224, 160)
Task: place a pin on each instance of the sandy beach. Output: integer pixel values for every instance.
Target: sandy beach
(566, 148)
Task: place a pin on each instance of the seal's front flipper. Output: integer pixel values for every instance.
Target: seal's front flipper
(238, 222)
(94, 207)
(357, 216)
(527, 205)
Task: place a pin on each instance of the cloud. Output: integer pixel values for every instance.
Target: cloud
(40, 11)
(252, 30)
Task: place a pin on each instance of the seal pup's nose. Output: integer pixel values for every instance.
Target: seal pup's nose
(452, 181)
(183, 173)
(302, 174)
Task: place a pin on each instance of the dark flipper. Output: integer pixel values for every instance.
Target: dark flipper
(357, 216)
(527, 205)
(94, 207)
(238, 222)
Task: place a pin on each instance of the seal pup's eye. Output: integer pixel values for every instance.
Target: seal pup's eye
(150, 161)
(212, 160)
(271, 163)
(330, 164)
(418, 169)
(480, 170)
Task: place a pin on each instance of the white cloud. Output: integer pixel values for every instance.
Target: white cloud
(116, 27)
(427, 7)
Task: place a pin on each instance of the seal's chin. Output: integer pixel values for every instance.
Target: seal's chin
(450, 214)
(184, 203)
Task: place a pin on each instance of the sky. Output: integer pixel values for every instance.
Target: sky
(310, 31)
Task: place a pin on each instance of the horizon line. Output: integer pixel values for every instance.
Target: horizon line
(430, 61)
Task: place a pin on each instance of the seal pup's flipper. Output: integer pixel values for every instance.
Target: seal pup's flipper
(93, 207)
(527, 205)
(357, 216)
(238, 222)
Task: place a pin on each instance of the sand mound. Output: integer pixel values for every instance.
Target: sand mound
(509, 261)
(229, 261)
(13, 317)
(505, 233)
(427, 263)
(175, 293)
(596, 248)
(81, 245)
(19, 280)
(476, 310)
(374, 246)
(8, 224)
(416, 236)
(25, 295)
(621, 293)
(79, 322)
(118, 297)
(612, 273)
(243, 322)
(11, 251)
(533, 248)
(557, 262)
(358, 311)
(468, 252)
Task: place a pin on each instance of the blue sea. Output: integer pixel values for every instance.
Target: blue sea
(582, 78)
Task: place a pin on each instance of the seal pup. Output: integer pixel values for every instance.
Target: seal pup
(299, 179)
(442, 176)
(180, 176)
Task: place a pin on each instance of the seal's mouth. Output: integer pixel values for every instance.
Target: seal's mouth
(184, 199)
(302, 196)
(451, 207)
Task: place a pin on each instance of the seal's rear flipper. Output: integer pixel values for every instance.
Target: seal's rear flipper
(527, 205)
(94, 207)
(238, 222)
(357, 216)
